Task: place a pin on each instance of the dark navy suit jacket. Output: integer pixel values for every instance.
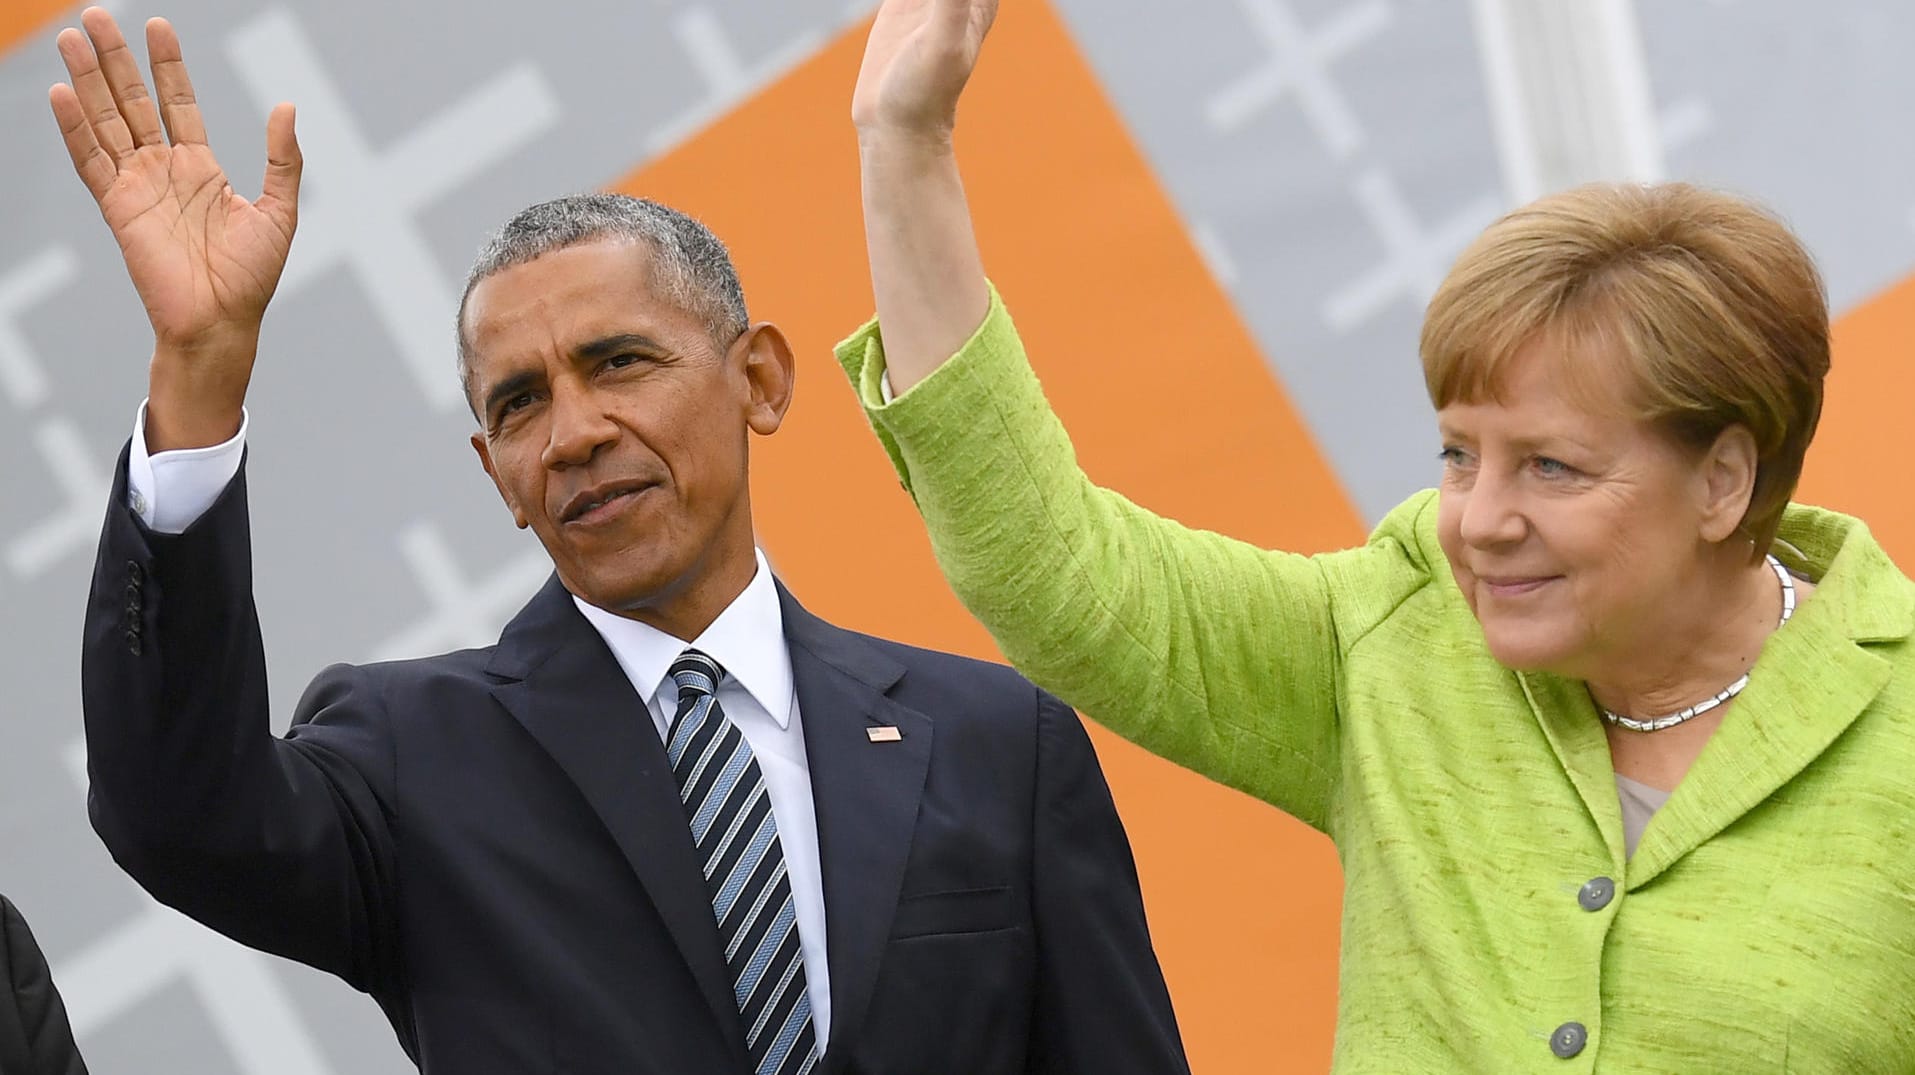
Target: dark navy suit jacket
(34, 1036)
(490, 843)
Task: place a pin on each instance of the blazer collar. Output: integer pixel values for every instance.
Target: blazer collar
(747, 640)
(1859, 586)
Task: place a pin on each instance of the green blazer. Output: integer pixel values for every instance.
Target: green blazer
(1491, 920)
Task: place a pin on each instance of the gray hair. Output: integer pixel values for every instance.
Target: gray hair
(690, 266)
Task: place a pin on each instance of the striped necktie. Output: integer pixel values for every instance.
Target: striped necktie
(737, 840)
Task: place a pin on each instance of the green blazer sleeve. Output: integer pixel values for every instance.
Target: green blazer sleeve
(1216, 654)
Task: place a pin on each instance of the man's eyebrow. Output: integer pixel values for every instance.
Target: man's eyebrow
(509, 387)
(620, 343)
(590, 351)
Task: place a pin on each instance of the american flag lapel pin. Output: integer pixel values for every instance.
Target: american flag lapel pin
(884, 733)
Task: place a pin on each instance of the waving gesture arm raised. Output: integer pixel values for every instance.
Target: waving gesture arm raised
(926, 274)
(204, 260)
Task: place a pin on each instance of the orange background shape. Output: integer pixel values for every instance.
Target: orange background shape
(1860, 460)
(19, 19)
(1168, 398)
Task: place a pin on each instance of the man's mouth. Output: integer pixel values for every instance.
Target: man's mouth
(600, 501)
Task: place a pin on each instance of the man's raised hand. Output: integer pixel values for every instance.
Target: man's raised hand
(204, 260)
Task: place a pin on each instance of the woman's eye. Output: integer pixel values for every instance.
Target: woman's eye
(1552, 468)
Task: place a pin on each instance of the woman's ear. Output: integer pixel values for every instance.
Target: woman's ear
(1728, 482)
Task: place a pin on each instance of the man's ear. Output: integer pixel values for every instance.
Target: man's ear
(1728, 482)
(770, 374)
(484, 452)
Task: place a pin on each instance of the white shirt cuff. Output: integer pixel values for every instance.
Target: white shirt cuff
(884, 386)
(171, 490)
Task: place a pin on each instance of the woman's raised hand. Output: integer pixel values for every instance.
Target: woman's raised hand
(916, 62)
(925, 271)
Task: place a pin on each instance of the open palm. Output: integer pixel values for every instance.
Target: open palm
(916, 61)
(204, 260)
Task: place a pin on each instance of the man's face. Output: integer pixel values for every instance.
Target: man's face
(615, 427)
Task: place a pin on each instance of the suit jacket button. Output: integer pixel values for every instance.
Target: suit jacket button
(134, 572)
(1596, 894)
(1568, 1040)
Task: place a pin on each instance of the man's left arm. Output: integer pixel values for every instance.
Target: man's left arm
(1102, 1005)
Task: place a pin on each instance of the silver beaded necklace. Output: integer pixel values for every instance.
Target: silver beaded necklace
(1726, 693)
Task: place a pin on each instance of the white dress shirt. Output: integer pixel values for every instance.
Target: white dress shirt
(171, 490)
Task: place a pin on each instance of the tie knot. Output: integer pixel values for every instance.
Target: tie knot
(697, 675)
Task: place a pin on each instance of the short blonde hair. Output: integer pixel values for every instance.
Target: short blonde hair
(1712, 304)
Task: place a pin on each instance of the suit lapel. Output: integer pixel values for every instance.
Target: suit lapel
(567, 690)
(866, 795)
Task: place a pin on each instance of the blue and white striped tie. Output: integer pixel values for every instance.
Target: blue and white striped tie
(737, 839)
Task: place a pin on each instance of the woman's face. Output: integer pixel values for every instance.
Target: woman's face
(1574, 531)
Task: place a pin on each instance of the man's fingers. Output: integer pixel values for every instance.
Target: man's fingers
(179, 108)
(96, 100)
(279, 196)
(95, 168)
(123, 78)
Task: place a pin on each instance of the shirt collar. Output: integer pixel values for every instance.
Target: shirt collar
(747, 640)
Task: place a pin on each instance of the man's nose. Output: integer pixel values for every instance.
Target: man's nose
(579, 428)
